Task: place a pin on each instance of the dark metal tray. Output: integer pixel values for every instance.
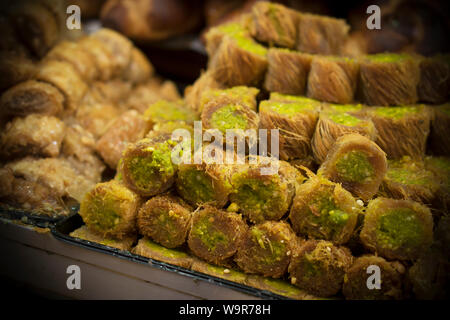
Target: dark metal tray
(63, 228)
(30, 218)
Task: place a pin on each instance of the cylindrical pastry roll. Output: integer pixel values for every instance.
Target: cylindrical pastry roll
(163, 111)
(267, 248)
(114, 91)
(101, 55)
(74, 54)
(357, 163)
(139, 69)
(204, 183)
(440, 166)
(96, 118)
(322, 209)
(41, 185)
(165, 219)
(32, 97)
(147, 166)
(36, 25)
(319, 267)
(118, 46)
(151, 92)
(110, 209)
(332, 125)
(355, 280)
(14, 69)
(224, 114)
(261, 196)
(78, 147)
(63, 76)
(215, 35)
(215, 234)
(397, 229)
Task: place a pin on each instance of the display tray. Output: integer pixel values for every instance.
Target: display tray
(64, 227)
(34, 219)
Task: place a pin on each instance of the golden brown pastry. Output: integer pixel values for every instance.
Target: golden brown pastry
(239, 61)
(112, 91)
(355, 281)
(101, 56)
(389, 79)
(147, 20)
(295, 120)
(333, 79)
(193, 93)
(96, 118)
(287, 71)
(139, 69)
(150, 92)
(321, 34)
(42, 185)
(274, 24)
(118, 47)
(434, 80)
(71, 52)
(332, 125)
(36, 24)
(402, 130)
(216, 234)
(130, 127)
(328, 262)
(165, 219)
(65, 77)
(110, 210)
(33, 135)
(78, 147)
(266, 249)
(32, 97)
(14, 68)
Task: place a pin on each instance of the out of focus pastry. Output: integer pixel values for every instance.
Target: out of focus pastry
(149, 20)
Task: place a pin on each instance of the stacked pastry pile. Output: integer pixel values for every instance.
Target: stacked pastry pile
(81, 106)
(375, 200)
(375, 197)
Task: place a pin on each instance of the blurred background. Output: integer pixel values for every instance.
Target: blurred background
(170, 31)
